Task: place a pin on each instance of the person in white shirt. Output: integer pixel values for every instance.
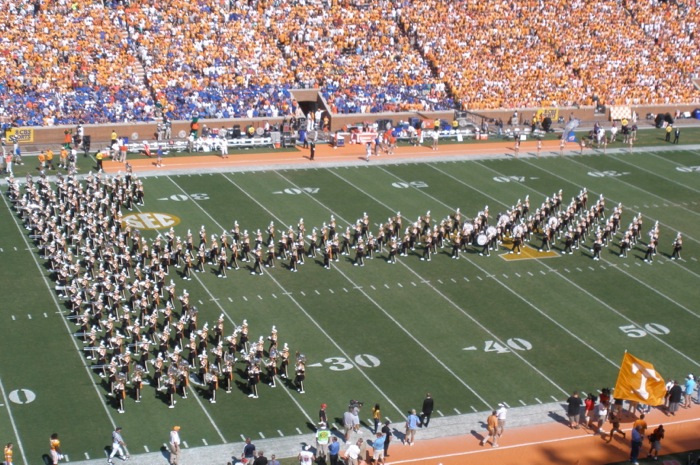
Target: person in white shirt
(175, 445)
(118, 445)
(306, 457)
(352, 454)
(501, 413)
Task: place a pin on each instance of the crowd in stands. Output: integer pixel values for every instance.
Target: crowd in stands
(357, 55)
(137, 60)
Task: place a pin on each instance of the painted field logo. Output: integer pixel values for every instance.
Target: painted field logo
(148, 220)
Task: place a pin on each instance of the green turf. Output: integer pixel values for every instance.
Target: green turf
(474, 331)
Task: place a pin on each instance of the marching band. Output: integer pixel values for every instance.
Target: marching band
(114, 280)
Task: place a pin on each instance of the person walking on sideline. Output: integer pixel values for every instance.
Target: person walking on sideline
(573, 410)
(411, 425)
(8, 453)
(377, 417)
(175, 446)
(655, 440)
(492, 427)
(636, 445)
(427, 410)
(501, 414)
(118, 445)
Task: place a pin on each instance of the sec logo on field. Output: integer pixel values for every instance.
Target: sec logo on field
(149, 220)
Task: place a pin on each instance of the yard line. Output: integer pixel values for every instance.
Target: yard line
(206, 289)
(12, 421)
(78, 350)
(516, 294)
(464, 312)
(598, 193)
(631, 276)
(602, 302)
(376, 304)
(672, 181)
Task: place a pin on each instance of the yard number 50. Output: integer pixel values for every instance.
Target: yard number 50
(649, 328)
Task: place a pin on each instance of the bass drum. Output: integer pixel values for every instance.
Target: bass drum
(491, 231)
(482, 239)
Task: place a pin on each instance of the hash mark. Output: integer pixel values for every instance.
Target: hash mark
(186, 445)
(458, 412)
(345, 290)
(466, 279)
(440, 281)
(274, 296)
(399, 284)
(517, 274)
(372, 286)
(259, 297)
(146, 448)
(280, 433)
(475, 410)
(453, 280)
(331, 291)
(299, 431)
(246, 299)
(479, 278)
(230, 299)
(521, 401)
(261, 435)
(316, 291)
(505, 275)
(538, 401)
(440, 413)
(386, 285)
(530, 273)
(205, 442)
(554, 398)
(567, 270)
(29, 316)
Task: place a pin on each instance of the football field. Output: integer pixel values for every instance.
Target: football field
(524, 329)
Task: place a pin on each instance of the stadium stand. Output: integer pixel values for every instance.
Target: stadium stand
(129, 61)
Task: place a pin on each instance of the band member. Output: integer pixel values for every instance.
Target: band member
(120, 391)
(253, 379)
(651, 250)
(172, 388)
(300, 373)
(158, 363)
(213, 384)
(137, 382)
(625, 244)
(222, 263)
(227, 370)
(257, 267)
(271, 367)
(327, 255)
(284, 357)
(360, 253)
(55, 449)
(597, 247)
(270, 257)
(293, 260)
(677, 247)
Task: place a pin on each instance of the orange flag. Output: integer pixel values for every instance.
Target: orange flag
(638, 381)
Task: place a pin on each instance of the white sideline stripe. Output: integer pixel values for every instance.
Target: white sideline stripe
(433, 458)
(600, 301)
(70, 332)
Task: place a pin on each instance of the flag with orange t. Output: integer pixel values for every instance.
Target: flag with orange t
(638, 381)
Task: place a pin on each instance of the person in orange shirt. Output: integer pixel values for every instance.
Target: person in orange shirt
(8, 453)
(492, 427)
(42, 161)
(55, 449)
(49, 159)
(63, 159)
